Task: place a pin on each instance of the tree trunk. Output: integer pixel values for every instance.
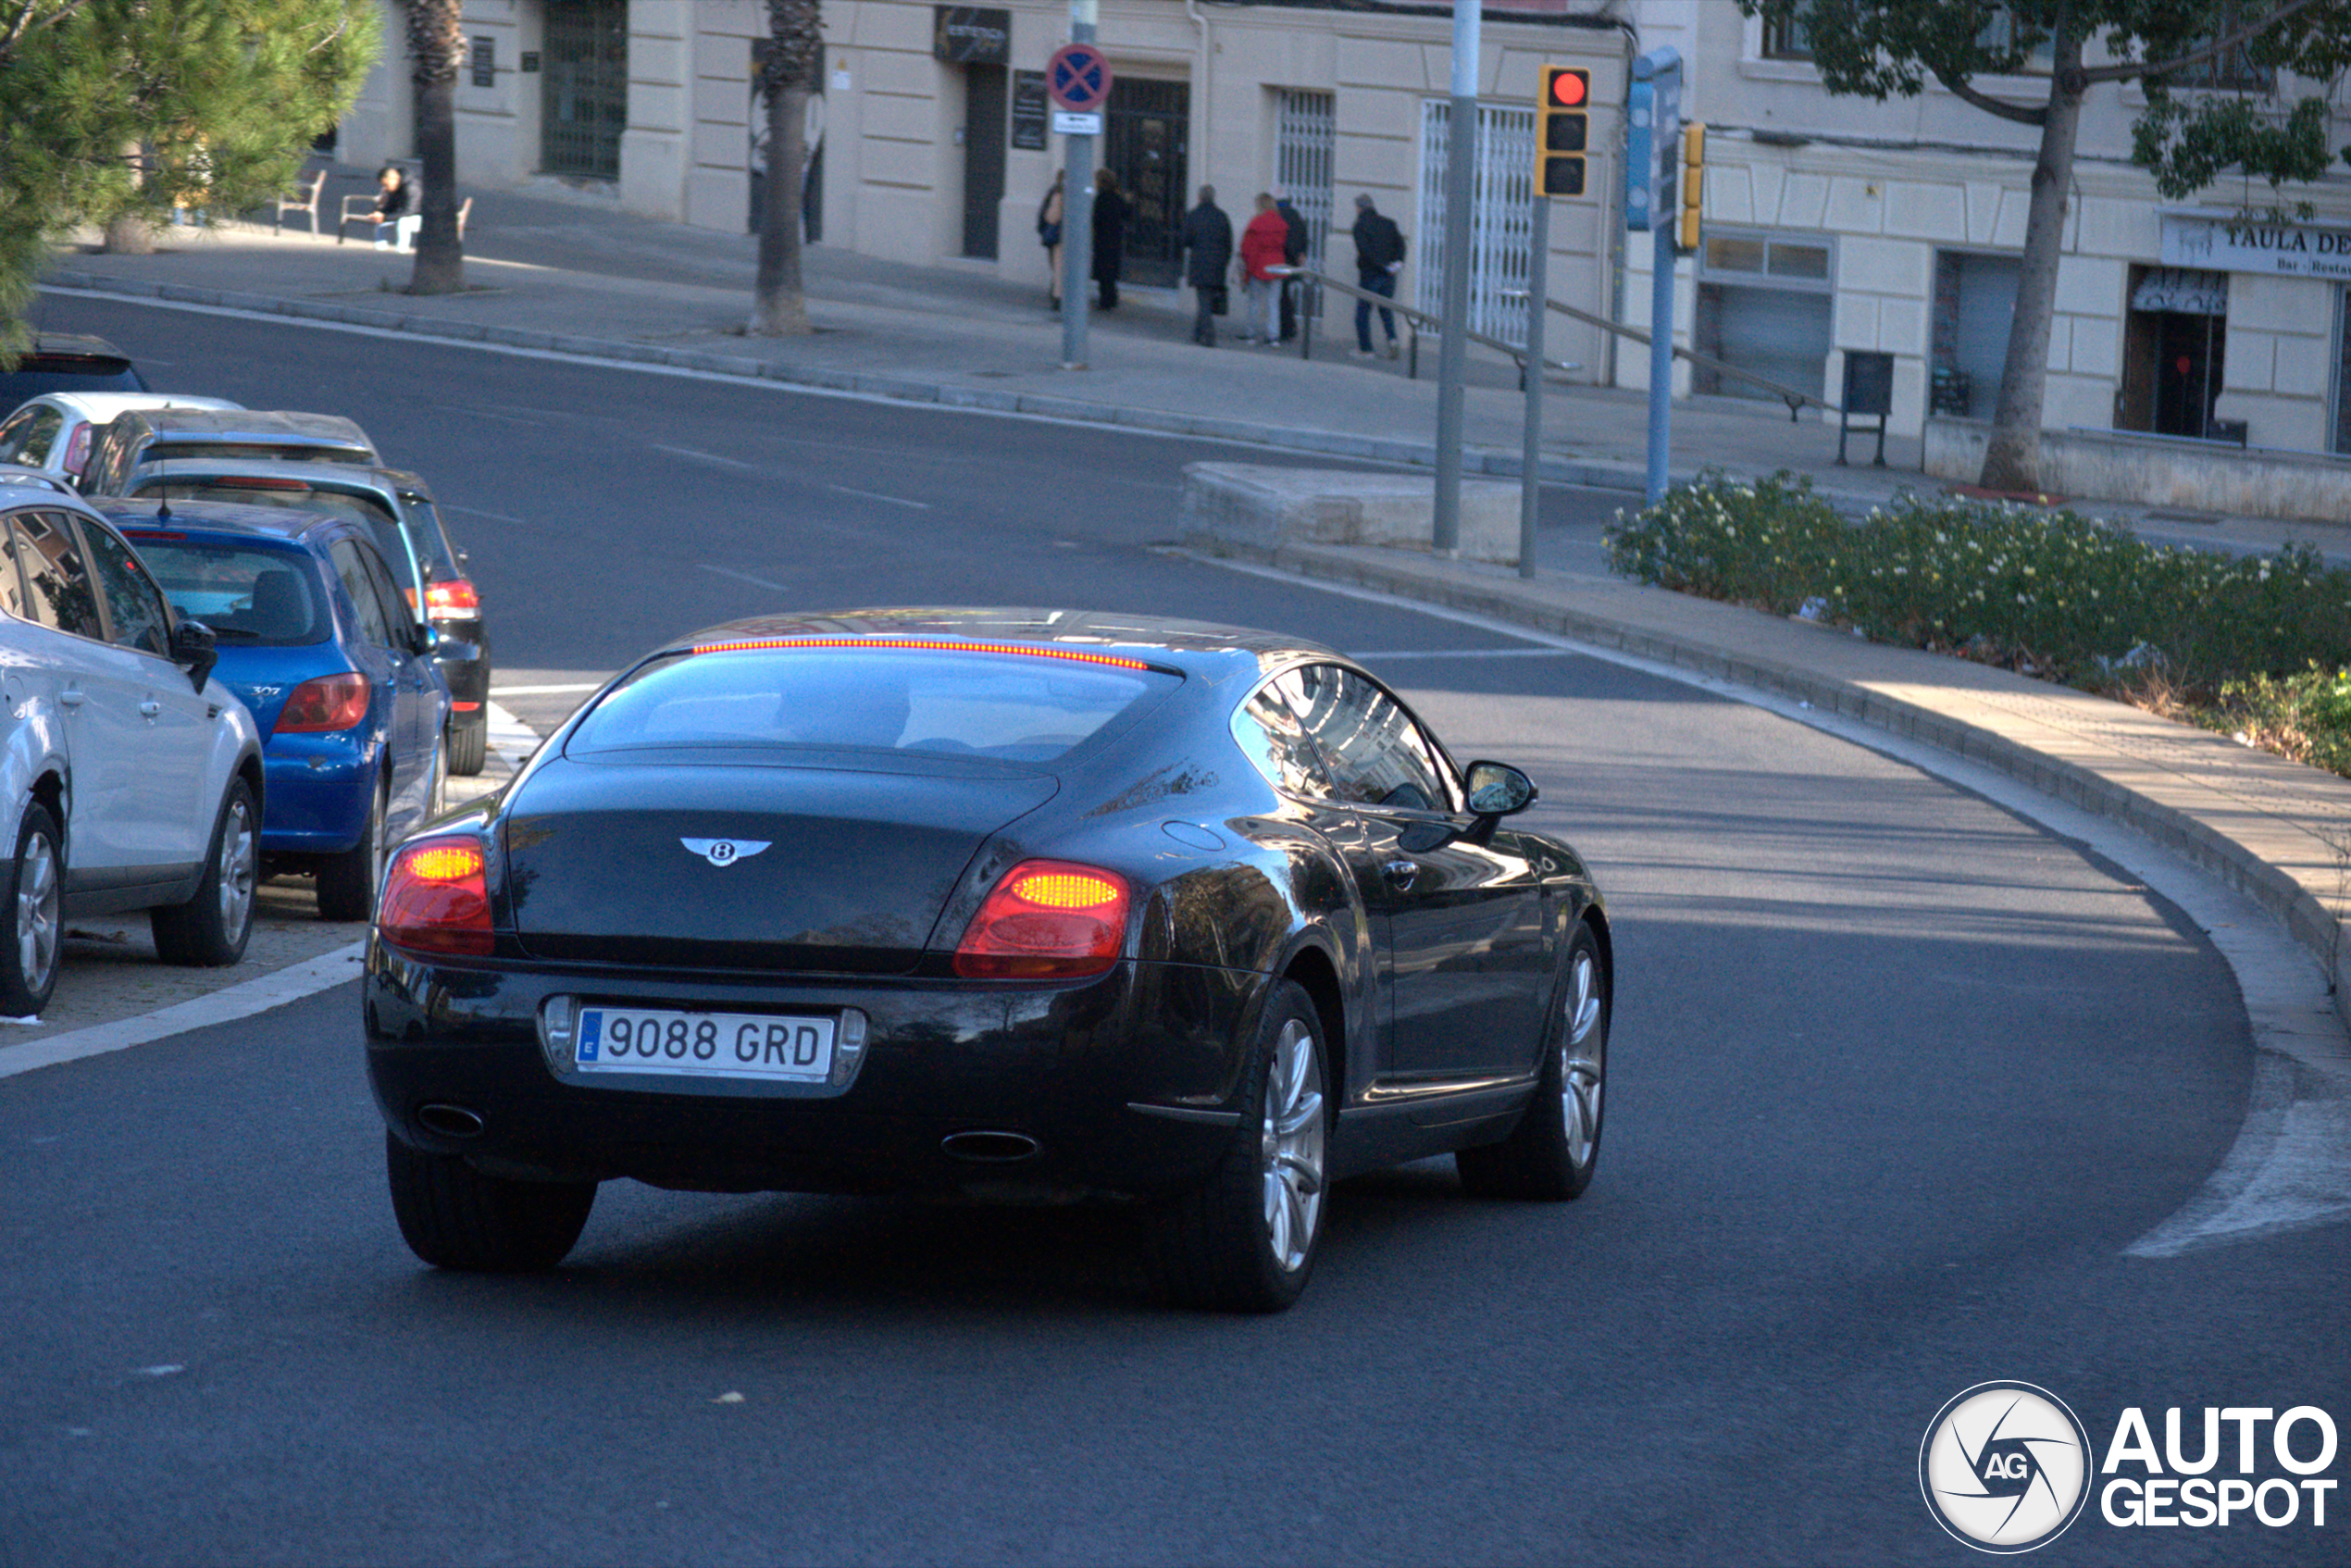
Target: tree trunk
(437, 39)
(130, 234)
(2012, 462)
(778, 307)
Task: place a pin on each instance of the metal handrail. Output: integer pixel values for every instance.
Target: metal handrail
(1793, 399)
(1413, 316)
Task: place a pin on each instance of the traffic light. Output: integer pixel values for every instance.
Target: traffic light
(1562, 131)
(1693, 184)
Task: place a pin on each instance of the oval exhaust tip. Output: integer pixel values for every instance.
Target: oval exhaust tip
(990, 1148)
(449, 1121)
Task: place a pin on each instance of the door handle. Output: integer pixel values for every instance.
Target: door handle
(69, 699)
(1402, 873)
(149, 708)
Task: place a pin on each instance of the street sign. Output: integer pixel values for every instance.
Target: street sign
(1077, 77)
(1069, 122)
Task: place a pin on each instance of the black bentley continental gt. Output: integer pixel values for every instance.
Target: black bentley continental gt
(1023, 905)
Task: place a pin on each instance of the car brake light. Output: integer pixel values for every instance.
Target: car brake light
(246, 483)
(435, 897)
(332, 702)
(456, 596)
(1046, 920)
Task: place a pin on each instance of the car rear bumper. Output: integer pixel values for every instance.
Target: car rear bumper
(319, 788)
(1121, 1086)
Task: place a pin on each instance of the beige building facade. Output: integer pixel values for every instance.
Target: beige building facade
(1832, 227)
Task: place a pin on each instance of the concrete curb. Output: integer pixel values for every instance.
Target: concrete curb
(2303, 908)
(1585, 472)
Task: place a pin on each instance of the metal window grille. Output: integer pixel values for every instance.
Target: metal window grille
(1304, 135)
(1501, 217)
(584, 102)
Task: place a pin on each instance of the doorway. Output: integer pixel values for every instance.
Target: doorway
(1144, 143)
(583, 104)
(2174, 350)
(984, 108)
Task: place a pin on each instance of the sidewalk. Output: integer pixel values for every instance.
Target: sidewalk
(567, 274)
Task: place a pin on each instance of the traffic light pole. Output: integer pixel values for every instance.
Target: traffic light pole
(1654, 157)
(1538, 294)
(1452, 347)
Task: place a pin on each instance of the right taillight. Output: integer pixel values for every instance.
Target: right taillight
(1046, 920)
(435, 897)
(332, 702)
(451, 596)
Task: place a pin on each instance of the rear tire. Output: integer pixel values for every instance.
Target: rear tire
(36, 949)
(1245, 1240)
(347, 882)
(468, 744)
(1550, 1155)
(454, 1217)
(210, 930)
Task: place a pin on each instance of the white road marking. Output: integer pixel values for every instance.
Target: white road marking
(744, 576)
(870, 495)
(2290, 1167)
(477, 512)
(225, 1006)
(705, 456)
(1467, 653)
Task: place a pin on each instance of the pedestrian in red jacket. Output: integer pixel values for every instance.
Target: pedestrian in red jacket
(1265, 246)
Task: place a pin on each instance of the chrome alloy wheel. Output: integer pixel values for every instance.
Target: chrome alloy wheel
(240, 866)
(1291, 1147)
(38, 931)
(1582, 1060)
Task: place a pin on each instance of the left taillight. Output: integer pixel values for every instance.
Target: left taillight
(451, 596)
(321, 706)
(435, 897)
(1046, 920)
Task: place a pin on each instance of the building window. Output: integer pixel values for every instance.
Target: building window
(1501, 217)
(1968, 332)
(1764, 303)
(2230, 71)
(1786, 37)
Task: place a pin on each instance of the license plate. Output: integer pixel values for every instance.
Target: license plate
(705, 1045)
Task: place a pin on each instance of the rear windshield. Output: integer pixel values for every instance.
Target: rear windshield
(170, 448)
(1010, 707)
(425, 531)
(248, 595)
(35, 376)
(383, 526)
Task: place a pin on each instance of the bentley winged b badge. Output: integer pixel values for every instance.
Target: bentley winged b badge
(725, 851)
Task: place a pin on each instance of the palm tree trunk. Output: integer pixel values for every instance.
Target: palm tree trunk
(778, 307)
(436, 39)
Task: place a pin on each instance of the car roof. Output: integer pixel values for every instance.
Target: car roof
(322, 476)
(34, 479)
(270, 422)
(130, 513)
(98, 407)
(1200, 649)
(72, 345)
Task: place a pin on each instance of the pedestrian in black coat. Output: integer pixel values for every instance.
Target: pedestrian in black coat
(1208, 249)
(1110, 236)
(1293, 255)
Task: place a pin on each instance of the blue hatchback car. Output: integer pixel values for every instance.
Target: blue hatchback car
(316, 639)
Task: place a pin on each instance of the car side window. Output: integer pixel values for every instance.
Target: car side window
(1277, 744)
(353, 571)
(1375, 753)
(27, 435)
(13, 598)
(134, 604)
(57, 587)
(396, 611)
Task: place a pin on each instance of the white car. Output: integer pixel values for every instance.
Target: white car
(130, 779)
(52, 432)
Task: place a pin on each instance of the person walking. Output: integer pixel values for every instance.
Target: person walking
(1049, 234)
(1263, 244)
(1110, 236)
(1208, 248)
(1295, 255)
(1379, 257)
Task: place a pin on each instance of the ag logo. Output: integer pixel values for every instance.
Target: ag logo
(724, 852)
(2004, 1467)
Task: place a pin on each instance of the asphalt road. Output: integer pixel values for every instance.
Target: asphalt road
(1897, 1077)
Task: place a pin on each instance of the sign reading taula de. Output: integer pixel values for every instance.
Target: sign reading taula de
(2235, 244)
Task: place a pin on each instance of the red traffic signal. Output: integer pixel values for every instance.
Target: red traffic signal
(1563, 131)
(1567, 87)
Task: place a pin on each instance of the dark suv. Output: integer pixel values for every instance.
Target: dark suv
(399, 508)
(68, 361)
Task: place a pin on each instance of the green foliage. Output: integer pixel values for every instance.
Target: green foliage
(113, 108)
(2051, 594)
(2306, 716)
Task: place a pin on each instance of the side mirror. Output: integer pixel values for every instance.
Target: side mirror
(192, 646)
(1495, 789)
(422, 640)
